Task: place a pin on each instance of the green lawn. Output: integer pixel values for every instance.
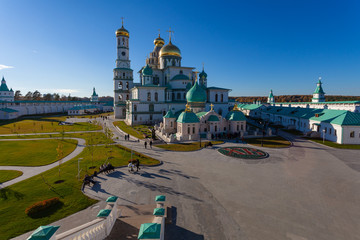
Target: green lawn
(137, 131)
(7, 175)
(97, 137)
(335, 145)
(270, 142)
(95, 115)
(293, 131)
(185, 147)
(16, 198)
(43, 124)
(33, 153)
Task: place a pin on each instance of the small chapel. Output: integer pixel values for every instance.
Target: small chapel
(194, 122)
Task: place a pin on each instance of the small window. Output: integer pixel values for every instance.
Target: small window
(156, 97)
(222, 97)
(179, 96)
(352, 134)
(127, 96)
(127, 85)
(123, 75)
(120, 85)
(135, 108)
(120, 97)
(171, 124)
(151, 117)
(193, 130)
(135, 117)
(149, 96)
(188, 130)
(215, 128)
(216, 97)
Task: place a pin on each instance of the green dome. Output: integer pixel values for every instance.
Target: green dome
(203, 74)
(235, 116)
(196, 94)
(188, 117)
(213, 118)
(147, 70)
(169, 114)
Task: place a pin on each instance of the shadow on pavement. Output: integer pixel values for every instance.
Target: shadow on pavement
(123, 230)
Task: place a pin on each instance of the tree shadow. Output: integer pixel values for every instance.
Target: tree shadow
(152, 175)
(5, 193)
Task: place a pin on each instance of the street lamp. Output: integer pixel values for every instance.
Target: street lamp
(323, 136)
(79, 168)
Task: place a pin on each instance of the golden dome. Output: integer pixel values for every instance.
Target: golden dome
(170, 50)
(122, 32)
(159, 41)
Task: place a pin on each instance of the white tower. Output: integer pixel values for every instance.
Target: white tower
(271, 98)
(319, 94)
(123, 74)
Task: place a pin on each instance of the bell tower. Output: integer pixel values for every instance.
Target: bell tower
(123, 74)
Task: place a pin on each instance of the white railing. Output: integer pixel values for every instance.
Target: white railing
(98, 229)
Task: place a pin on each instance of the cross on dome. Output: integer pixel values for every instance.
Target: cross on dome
(169, 31)
(212, 107)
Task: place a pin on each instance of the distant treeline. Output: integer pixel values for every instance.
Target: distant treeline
(296, 98)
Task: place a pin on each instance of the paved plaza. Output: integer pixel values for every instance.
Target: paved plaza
(306, 191)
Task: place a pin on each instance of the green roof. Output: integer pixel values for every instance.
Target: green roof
(111, 199)
(149, 231)
(147, 70)
(196, 94)
(319, 88)
(213, 118)
(43, 233)
(271, 94)
(200, 114)
(348, 118)
(180, 77)
(188, 117)
(202, 74)
(3, 86)
(159, 212)
(94, 93)
(333, 102)
(170, 114)
(83, 107)
(104, 213)
(235, 116)
(8, 110)
(160, 198)
(217, 88)
(249, 106)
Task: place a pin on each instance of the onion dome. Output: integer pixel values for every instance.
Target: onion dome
(159, 41)
(122, 32)
(203, 74)
(188, 117)
(271, 94)
(147, 70)
(170, 50)
(319, 88)
(170, 114)
(213, 118)
(196, 94)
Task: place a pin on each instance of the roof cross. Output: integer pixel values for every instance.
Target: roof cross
(122, 21)
(169, 31)
(212, 107)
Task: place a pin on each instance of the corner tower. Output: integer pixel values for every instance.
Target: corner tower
(123, 74)
(319, 94)
(271, 98)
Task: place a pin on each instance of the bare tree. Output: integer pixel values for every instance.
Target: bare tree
(18, 95)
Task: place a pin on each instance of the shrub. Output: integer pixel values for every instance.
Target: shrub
(41, 206)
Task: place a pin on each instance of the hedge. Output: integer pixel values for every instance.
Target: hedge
(41, 206)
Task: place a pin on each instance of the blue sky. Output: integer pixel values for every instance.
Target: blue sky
(249, 46)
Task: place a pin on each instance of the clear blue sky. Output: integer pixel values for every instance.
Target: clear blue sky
(248, 46)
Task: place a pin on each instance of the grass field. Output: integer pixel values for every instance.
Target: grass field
(7, 175)
(95, 115)
(97, 137)
(335, 145)
(16, 198)
(137, 131)
(43, 124)
(270, 142)
(33, 153)
(185, 147)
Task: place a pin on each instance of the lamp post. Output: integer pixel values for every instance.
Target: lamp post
(323, 136)
(79, 168)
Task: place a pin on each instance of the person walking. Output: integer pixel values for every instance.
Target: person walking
(128, 137)
(145, 144)
(150, 144)
(137, 165)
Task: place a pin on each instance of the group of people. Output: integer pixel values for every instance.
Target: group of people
(106, 168)
(88, 179)
(134, 164)
(127, 137)
(150, 144)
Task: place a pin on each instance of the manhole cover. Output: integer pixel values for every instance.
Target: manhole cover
(243, 152)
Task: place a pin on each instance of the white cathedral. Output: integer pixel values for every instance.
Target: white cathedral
(164, 84)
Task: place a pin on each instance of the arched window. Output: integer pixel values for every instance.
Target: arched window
(118, 41)
(123, 41)
(127, 85)
(156, 97)
(120, 85)
(352, 134)
(171, 124)
(222, 97)
(120, 97)
(188, 129)
(127, 96)
(135, 108)
(216, 97)
(220, 111)
(178, 96)
(173, 96)
(184, 95)
(149, 96)
(123, 75)
(193, 130)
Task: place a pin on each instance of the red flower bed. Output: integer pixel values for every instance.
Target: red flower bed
(41, 206)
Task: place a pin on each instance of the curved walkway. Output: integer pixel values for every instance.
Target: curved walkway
(29, 172)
